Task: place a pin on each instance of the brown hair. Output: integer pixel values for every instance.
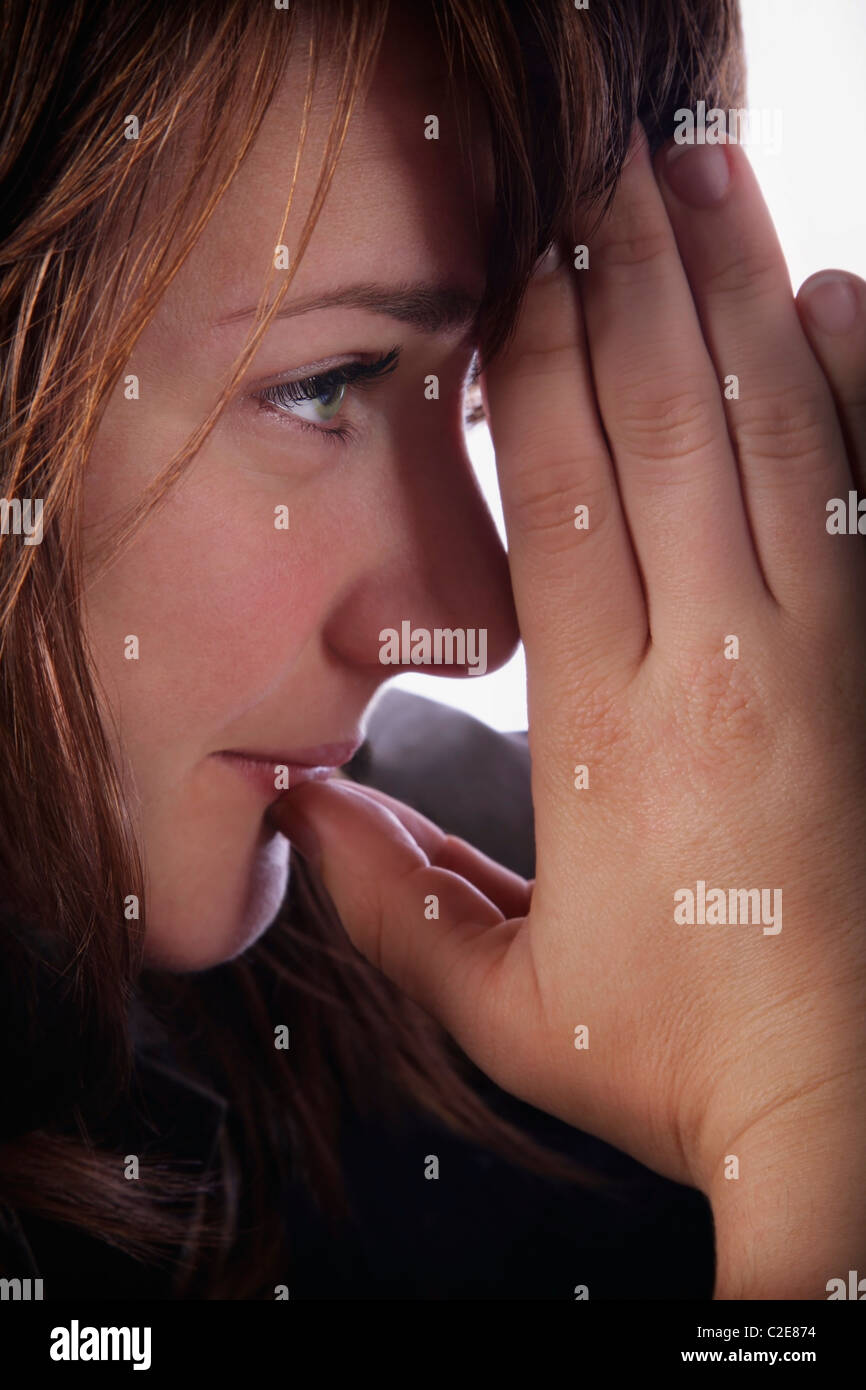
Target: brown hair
(562, 88)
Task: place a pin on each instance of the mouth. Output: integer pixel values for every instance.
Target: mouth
(274, 773)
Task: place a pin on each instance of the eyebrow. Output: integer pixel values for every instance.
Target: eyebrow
(430, 308)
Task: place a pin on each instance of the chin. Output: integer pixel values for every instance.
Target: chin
(209, 936)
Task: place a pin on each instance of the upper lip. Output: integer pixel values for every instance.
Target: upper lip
(322, 755)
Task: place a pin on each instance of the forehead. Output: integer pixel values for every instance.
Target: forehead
(401, 207)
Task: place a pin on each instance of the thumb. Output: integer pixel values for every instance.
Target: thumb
(436, 935)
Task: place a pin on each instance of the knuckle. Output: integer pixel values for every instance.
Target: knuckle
(553, 364)
(542, 499)
(784, 425)
(753, 274)
(630, 245)
(664, 425)
(720, 713)
(591, 717)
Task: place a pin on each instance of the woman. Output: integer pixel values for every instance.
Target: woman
(253, 255)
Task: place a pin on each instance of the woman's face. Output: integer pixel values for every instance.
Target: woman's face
(265, 638)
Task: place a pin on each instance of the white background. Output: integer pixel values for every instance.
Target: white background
(806, 59)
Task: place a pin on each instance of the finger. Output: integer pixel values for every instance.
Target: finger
(507, 890)
(832, 308)
(787, 436)
(385, 890)
(661, 404)
(576, 585)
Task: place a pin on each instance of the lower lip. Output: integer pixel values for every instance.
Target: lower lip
(262, 774)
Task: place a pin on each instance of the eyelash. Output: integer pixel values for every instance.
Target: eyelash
(353, 374)
(309, 387)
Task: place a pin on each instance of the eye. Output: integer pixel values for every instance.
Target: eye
(319, 408)
(314, 400)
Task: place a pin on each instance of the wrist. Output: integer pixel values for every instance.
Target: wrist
(794, 1216)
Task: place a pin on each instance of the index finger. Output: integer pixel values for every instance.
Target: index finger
(576, 584)
(510, 893)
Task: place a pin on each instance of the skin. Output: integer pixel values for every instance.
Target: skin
(252, 637)
(707, 519)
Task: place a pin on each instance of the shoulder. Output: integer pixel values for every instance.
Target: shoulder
(470, 779)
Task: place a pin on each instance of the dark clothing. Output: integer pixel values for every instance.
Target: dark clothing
(484, 1228)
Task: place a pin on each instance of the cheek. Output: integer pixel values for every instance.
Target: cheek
(222, 604)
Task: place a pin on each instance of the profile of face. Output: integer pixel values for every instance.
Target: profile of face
(260, 637)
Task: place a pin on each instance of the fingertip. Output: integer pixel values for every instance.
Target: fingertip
(832, 300)
(340, 813)
(638, 147)
(289, 819)
(547, 263)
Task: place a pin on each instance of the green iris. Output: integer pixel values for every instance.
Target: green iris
(327, 403)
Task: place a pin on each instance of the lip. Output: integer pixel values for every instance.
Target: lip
(303, 764)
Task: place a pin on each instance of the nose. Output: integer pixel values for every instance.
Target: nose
(432, 587)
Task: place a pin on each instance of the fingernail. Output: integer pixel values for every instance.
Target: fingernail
(548, 263)
(698, 174)
(831, 303)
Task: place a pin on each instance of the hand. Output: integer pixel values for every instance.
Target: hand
(699, 648)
